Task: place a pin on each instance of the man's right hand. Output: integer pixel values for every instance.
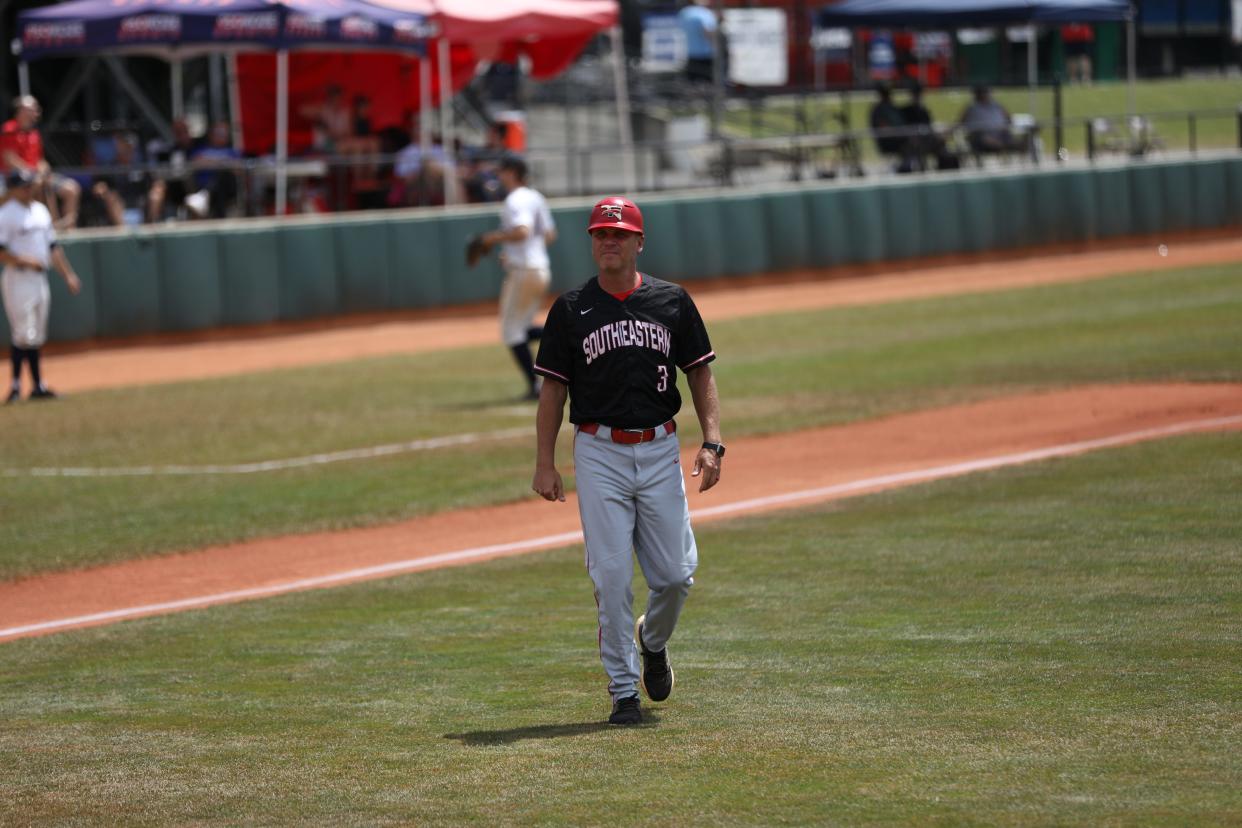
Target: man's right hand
(548, 484)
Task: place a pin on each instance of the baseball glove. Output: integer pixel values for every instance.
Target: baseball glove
(476, 249)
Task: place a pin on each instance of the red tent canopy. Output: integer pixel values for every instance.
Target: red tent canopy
(551, 33)
(390, 80)
(544, 29)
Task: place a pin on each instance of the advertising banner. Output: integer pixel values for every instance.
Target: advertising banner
(758, 46)
(664, 43)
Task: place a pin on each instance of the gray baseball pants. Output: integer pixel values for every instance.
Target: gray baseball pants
(632, 499)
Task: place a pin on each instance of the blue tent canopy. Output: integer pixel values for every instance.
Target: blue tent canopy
(180, 29)
(82, 26)
(958, 14)
(951, 14)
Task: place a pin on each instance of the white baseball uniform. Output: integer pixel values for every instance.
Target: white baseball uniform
(26, 230)
(527, 273)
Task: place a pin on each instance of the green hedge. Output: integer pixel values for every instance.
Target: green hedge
(204, 276)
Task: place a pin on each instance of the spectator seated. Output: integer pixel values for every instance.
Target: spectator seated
(888, 125)
(126, 195)
(990, 130)
(925, 145)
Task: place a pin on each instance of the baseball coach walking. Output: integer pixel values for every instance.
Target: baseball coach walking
(613, 347)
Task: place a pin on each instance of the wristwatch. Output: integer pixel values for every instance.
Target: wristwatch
(716, 447)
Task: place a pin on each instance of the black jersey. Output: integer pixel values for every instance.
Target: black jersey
(619, 357)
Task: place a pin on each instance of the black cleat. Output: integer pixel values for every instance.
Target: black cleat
(13, 397)
(657, 677)
(626, 712)
(43, 393)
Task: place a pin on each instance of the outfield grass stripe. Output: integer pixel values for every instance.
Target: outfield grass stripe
(802, 497)
(367, 453)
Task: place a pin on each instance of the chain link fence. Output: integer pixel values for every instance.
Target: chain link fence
(674, 133)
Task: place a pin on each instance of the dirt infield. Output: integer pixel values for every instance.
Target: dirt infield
(150, 364)
(760, 473)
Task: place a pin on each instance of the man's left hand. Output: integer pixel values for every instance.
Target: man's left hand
(706, 464)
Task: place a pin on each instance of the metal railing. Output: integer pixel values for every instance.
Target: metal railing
(365, 182)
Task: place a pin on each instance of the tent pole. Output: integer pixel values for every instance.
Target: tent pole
(148, 108)
(623, 109)
(1032, 67)
(178, 89)
(718, 74)
(23, 78)
(215, 85)
(67, 94)
(1130, 62)
(448, 139)
(424, 106)
(235, 112)
(282, 129)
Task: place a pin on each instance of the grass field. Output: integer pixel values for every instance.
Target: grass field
(1165, 102)
(1055, 644)
(776, 373)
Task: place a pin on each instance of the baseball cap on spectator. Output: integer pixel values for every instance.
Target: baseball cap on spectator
(19, 178)
(515, 164)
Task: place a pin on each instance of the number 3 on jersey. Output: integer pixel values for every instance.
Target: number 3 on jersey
(662, 385)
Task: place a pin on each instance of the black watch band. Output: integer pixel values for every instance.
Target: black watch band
(716, 447)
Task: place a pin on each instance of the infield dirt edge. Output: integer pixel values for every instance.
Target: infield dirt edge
(758, 468)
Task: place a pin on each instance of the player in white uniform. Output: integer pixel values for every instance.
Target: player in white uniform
(27, 246)
(526, 230)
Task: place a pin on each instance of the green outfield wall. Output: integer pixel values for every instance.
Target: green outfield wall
(210, 275)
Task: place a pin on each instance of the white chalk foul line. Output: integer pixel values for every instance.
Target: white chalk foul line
(394, 568)
(956, 469)
(550, 541)
(367, 453)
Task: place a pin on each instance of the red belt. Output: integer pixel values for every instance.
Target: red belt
(631, 437)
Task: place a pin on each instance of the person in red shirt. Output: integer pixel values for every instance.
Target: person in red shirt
(21, 148)
(1078, 39)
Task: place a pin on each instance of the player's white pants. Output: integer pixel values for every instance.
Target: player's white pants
(520, 297)
(633, 503)
(27, 299)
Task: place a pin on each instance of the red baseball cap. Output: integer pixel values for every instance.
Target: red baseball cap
(615, 211)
